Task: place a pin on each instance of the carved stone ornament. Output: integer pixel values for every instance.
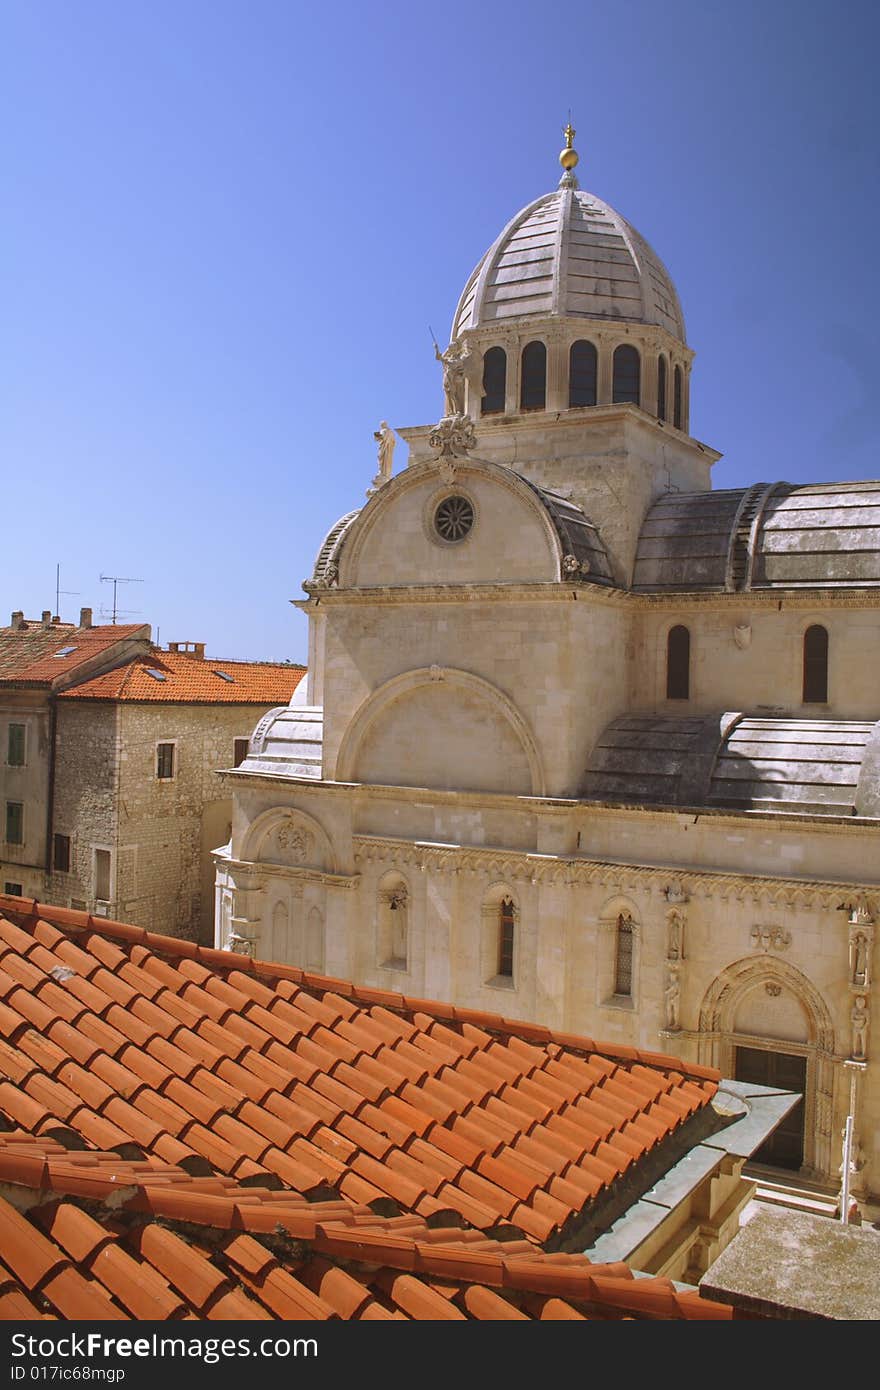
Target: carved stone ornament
(742, 636)
(773, 989)
(453, 435)
(675, 892)
(769, 938)
(859, 1020)
(241, 945)
(673, 998)
(293, 838)
(675, 922)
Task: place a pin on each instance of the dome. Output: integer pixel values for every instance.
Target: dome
(569, 253)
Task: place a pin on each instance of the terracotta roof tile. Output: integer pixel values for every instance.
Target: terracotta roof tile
(189, 679)
(278, 1078)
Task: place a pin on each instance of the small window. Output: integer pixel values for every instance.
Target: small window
(533, 383)
(661, 387)
(623, 956)
(627, 375)
(678, 663)
(65, 651)
(13, 890)
(61, 853)
(676, 399)
(816, 665)
(454, 519)
(15, 745)
(240, 751)
(102, 875)
(506, 929)
(225, 676)
(582, 374)
(494, 382)
(164, 761)
(15, 822)
(157, 675)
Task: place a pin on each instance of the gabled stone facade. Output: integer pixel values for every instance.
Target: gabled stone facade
(603, 744)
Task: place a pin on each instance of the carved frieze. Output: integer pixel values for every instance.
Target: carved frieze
(769, 938)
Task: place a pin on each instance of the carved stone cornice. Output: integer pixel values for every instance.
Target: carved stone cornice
(290, 871)
(550, 869)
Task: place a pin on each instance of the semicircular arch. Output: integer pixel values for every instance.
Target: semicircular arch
(456, 682)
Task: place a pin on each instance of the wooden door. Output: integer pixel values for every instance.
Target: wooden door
(784, 1072)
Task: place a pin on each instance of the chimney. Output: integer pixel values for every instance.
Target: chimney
(173, 646)
(46, 617)
(18, 620)
(200, 650)
(85, 617)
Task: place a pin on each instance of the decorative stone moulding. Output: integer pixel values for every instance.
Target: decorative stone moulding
(452, 436)
(769, 938)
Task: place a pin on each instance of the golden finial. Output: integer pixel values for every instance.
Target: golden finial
(568, 157)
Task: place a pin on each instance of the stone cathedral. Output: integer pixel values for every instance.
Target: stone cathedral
(584, 741)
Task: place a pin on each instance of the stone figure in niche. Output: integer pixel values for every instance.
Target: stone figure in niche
(675, 946)
(454, 360)
(859, 958)
(386, 440)
(859, 1020)
(673, 999)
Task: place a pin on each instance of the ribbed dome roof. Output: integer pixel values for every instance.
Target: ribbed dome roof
(569, 253)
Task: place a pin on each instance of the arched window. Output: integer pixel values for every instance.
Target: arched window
(627, 374)
(506, 932)
(582, 374)
(676, 398)
(623, 955)
(661, 387)
(678, 663)
(816, 665)
(314, 952)
(533, 382)
(494, 382)
(393, 923)
(280, 942)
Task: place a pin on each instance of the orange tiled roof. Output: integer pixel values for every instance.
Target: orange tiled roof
(213, 1090)
(29, 653)
(86, 1235)
(192, 680)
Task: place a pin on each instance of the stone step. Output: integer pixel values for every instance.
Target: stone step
(795, 1198)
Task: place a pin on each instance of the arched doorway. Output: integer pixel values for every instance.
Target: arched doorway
(763, 1022)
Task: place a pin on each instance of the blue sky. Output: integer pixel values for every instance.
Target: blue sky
(227, 227)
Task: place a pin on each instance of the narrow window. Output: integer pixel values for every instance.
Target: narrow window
(678, 663)
(676, 398)
(533, 385)
(582, 374)
(102, 875)
(15, 746)
(315, 940)
(816, 665)
(661, 387)
(61, 853)
(627, 375)
(506, 926)
(164, 761)
(623, 957)
(240, 751)
(13, 890)
(15, 822)
(494, 382)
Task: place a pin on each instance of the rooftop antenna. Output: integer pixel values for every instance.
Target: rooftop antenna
(59, 591)
(115, 579)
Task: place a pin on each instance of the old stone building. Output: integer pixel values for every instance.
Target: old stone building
(583, 741)
(137, 805)
(39, 660)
